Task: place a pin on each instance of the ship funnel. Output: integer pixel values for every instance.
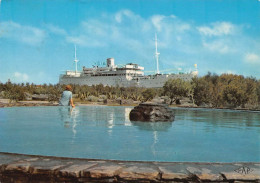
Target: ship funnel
(195, 72)
(110, 62)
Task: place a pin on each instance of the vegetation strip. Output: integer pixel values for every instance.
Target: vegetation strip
(224, 91)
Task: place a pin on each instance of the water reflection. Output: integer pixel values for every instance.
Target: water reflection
(105, 116)
(111, 117)
(106, 133)
(221, 118)
(110, 120)
(69, 116)
(152, 126)
(114, 117)
(127, 120)
(155, 140)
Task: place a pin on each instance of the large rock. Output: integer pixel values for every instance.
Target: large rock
(41, 97)
(28, 96)
(152, 112)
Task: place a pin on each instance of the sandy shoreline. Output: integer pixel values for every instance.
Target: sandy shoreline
(5, 103)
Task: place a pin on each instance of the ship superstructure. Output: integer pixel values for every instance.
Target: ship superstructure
(128, 75)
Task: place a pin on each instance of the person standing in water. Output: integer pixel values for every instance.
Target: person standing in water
(66, 97)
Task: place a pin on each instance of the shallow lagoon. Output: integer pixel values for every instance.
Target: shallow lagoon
(101, 132)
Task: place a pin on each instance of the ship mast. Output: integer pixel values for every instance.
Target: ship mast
(76, 60)
(156, 55)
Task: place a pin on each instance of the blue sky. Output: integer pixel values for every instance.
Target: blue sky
(37, 38)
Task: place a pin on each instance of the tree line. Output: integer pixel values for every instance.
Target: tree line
(211, 90)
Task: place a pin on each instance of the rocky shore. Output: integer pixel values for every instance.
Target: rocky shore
(32, 168)
(6, 103)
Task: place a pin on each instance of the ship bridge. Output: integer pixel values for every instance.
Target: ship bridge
(131, 66)
(128, 70)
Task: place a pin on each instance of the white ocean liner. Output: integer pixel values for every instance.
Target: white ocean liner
(125, 76)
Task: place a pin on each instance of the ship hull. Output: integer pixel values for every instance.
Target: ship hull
(91, 80)
(152, 81)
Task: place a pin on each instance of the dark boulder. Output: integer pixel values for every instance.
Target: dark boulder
(40, 97)
(152, 112)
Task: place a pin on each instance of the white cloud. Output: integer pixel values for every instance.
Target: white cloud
(20, 77)
(95, 27)
(217, 29)
(119, 16)
(56, 30)
(184, 27)
(157, 21)
(252, 58)
(128, 30)
(26, 34)
(85, 41)
(108, 31)
(219, 46)
(131, 36)
(229, 72)
(170, 23)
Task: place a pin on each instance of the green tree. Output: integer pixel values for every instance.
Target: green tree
(258, 91)
(201, 91)
(15, 92)
(174, 89)
(148, 94)
(236, 90)
(54, 92)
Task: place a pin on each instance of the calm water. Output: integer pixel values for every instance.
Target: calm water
(102, 132)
